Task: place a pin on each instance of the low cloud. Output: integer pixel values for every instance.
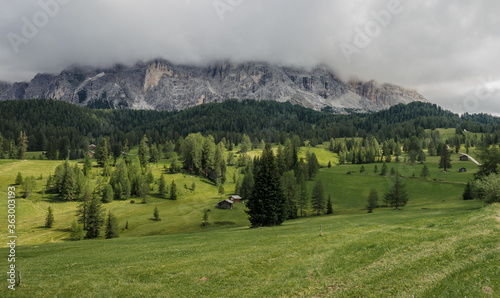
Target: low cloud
(442, 49)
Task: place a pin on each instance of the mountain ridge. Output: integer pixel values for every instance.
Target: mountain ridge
(161, 85)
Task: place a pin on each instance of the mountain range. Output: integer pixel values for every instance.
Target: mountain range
(161, 85)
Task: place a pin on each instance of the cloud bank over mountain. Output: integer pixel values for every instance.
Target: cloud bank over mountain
(446, 50)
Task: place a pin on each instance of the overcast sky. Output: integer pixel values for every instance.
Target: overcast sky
(447, 50)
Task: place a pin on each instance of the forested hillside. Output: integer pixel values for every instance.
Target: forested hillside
(47, 121)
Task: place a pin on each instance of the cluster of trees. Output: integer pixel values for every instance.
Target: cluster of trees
(486, 184)
(275, 186)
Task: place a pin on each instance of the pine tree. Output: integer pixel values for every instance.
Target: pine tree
(425, 172)
(112, 230)
(375, 170)
(329, 164)
(266, 206)
(318, 198)
(173, 191)
(329, 208)
(445, 161)
(49, 221)
(372, 200)
(156, 214)
(362, 170)
(19, 179)
(22, 145)
(76, 231)
(193, 186)
(396, 195)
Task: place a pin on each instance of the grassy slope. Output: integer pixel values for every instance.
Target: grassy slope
(431, 246)
(450, 250)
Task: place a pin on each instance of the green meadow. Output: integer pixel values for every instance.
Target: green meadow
(436, 245)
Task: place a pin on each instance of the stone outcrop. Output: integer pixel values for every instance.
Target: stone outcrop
(162, 85)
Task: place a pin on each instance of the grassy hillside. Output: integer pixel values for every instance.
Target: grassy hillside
(348, 192)
(448, 249)
(437, 245)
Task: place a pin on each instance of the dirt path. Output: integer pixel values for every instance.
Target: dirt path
(471, 158)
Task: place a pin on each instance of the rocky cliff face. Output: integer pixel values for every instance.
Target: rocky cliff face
(162, 85)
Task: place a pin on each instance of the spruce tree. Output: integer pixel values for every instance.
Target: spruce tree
(445, 161)
(173, 191)
(329, 207)
(156, 214)
(396, 195)
(49, 221)
(372, 200)
(318, 198)
(266, 206)
(95, 218)
(112, 230)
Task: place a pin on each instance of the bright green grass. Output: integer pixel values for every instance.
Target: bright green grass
(349, 193)
(447, 251)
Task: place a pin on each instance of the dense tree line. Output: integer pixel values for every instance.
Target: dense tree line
(64, 130)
